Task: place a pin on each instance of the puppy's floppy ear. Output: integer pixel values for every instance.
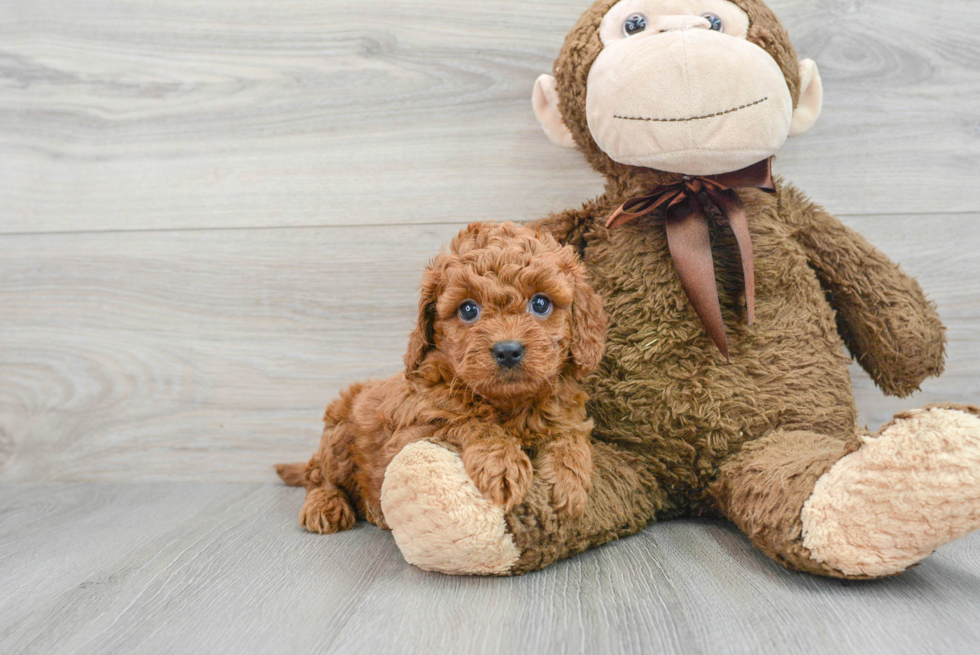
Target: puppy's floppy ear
(422, 339)
(588, 327)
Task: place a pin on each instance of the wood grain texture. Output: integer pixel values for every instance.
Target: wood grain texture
(185, 567)
(181, 353)
(210, 355)
(131, 114)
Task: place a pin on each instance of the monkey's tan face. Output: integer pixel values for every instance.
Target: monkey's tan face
(677, 88)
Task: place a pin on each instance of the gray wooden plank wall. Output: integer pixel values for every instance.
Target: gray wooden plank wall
(213, 216)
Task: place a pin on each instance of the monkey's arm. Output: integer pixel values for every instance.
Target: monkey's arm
(883, 316)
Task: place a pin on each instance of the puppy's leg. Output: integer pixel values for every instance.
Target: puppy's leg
(565, 463)
(326, 508)
(495, 462)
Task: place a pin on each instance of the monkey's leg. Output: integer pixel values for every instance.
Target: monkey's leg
(763, 488)
(859, 507)
(441, 522)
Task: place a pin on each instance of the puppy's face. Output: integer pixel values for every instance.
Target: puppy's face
(510, 311)
(505, 328)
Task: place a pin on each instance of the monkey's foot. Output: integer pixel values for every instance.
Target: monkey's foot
(440, 520)
(908, 490)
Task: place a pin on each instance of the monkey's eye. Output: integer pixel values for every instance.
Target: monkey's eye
(714, 20)
(468, 311)
(634, 24)
(540, 305)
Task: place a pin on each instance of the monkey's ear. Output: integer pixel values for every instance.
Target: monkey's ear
(811, 98)
(422, 339)
(544, 99)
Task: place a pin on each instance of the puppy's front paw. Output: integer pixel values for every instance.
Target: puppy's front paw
(569, 472)
(500, 470)
(326, 510)
(569, 497)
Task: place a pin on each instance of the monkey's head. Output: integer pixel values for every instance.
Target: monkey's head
(695, 87)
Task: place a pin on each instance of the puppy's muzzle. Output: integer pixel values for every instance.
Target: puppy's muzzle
(508, 353)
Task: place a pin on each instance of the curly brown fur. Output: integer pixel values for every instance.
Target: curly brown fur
(453, 391)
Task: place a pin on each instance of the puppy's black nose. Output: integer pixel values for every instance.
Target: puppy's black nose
(508, 353)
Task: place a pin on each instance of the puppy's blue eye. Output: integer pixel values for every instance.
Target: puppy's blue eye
(634, 24)
(716, 23)
(469, 311)
(540, 305)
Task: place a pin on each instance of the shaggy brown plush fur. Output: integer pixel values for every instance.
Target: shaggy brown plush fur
(763, 488)
(678, 430)
(454, 392)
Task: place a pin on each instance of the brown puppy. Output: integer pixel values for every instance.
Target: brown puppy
(507, 325)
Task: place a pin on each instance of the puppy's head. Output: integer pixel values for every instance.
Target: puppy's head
(509, 310)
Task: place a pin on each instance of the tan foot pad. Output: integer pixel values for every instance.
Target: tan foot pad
(440, 520)
(910, 489)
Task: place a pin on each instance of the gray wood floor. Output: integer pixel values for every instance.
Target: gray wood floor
(213, 216)
(207, 567)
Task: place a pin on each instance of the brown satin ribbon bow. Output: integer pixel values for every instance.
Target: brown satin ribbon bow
(689, 240)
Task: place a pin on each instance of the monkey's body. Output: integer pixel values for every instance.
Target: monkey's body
(656, 93)
(673, 412)
(663, 382)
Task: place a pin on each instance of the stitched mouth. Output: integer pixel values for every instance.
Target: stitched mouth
(692, 118)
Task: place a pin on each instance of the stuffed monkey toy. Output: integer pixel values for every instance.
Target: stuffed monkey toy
(724, 388)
